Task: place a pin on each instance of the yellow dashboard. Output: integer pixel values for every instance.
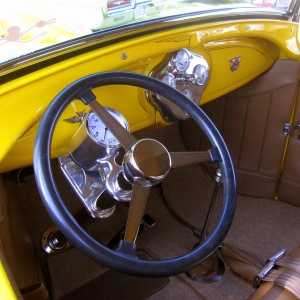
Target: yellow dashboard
(252, 45)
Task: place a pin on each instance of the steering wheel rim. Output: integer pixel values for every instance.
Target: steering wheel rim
(66, 222)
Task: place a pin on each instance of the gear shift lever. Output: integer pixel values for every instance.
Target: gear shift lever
(212, 268)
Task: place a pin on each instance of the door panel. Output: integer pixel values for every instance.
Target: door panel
(251, 120)
(289, 186)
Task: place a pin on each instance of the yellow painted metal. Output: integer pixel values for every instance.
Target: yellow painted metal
(254, 56)
(24, 100)
(6, 290)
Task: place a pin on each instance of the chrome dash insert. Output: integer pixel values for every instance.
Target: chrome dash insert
(185, 71)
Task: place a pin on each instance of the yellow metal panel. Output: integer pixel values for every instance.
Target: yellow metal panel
(254, 55)
(28, 96)
(6, 290)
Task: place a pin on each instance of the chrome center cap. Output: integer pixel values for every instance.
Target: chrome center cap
(147, 162)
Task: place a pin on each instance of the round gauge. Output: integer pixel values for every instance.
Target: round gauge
(200, 74)
(188, 93)
(99, 132)
(169, 79)
(182, 60)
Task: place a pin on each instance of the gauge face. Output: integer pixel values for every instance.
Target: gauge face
(169, 79)
(182, 60)
(188, 93)
(99, 132)
(200, 74)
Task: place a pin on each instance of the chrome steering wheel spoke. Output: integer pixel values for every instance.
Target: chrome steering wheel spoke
(122, 135)
(181, 159)
(136, 211)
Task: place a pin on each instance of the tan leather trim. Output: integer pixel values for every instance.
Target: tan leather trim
(240, 262)
(269, 291)
(253, 184)
(284, 73)
(251, 119)
(207, 269)
(36, 291)
(289, 186)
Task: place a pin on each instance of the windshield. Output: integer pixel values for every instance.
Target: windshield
(30, 25)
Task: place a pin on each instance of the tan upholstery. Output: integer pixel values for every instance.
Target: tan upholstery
(240, 262)
(251, 120)
(289, 186)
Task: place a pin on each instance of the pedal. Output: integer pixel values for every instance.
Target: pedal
(150, 222)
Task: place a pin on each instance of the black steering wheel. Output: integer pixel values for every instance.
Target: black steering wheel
(146, 163)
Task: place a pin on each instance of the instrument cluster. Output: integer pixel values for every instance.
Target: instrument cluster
(90, 166)
(185, 71)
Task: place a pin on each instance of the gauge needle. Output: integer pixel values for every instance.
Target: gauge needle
(105, 133)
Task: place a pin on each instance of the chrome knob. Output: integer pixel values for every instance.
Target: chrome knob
(147, 162)
(218, 176)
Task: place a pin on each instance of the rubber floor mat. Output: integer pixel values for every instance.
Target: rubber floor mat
(76, 276)
(115, 285)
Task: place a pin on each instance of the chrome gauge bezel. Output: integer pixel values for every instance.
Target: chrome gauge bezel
(182, 60)
(120, 118)
(188, 93)
(168, 79)
(86, 150)
(200, 80)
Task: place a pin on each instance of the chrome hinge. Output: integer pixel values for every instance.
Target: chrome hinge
(293, 132)
(286, 129)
